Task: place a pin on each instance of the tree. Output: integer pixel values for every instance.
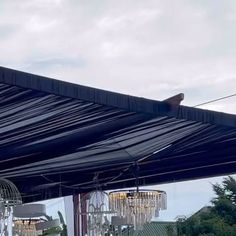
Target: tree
(216, 220)
(170, 230)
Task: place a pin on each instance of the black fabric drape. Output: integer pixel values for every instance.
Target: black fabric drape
(59, 136)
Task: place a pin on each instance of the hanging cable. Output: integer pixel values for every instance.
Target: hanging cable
(136, 173)
(215, 100)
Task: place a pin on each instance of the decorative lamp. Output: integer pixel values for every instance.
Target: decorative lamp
(137, 206)
(9, 197)
(95, 211)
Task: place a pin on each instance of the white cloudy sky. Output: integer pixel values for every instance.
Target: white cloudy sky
(147, 48)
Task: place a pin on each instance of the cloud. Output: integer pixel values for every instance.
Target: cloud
(148, 48)
(49, 63)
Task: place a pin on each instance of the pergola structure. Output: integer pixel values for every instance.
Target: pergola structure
(58, 138)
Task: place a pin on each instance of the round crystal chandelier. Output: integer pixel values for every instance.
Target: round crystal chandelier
(137, 206)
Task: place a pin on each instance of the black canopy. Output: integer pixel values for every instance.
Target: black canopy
(59, 138)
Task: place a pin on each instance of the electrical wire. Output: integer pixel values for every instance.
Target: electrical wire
(215, 100)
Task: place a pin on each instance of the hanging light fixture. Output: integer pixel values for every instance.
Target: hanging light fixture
(137, 206)
(9, 197)
(94, 209)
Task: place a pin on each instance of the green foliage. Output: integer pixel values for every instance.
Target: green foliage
(54, 230)
(62, 230)
(217, 220)
(64, 227)
(61, 218)
(170, 230)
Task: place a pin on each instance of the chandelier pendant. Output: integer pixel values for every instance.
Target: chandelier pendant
(137, 206)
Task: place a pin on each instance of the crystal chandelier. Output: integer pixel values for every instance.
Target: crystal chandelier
(137, 206)
(94, 209)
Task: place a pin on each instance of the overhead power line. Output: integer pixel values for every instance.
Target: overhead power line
(215, 100)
